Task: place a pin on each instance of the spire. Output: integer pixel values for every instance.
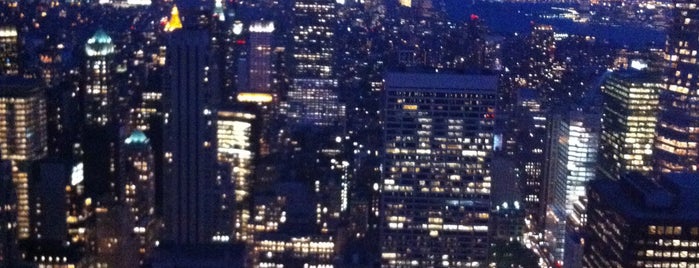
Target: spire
(175, 22)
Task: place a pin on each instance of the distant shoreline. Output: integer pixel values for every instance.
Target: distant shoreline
(509, 18)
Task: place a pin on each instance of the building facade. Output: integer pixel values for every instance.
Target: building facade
(575, 138)
(629, 118)
(99, 91)
(638, 222)
(313, 97)
(677, 138)
(23, 138)
(9, 51)
(435, 193)
(190, 154)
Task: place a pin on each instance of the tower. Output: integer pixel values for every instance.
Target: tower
(9, 51)
(22, 138)
(260, 56)
(99, 90)
(629, 118)
(573, 157)
(313, 98)
(189, 138)
(677, 137)
(435, 196)
(139, 189)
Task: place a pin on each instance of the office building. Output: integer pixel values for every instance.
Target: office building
(629, 117)
(436, 182)
(99, 90)
(260, 56)
(236, 151)
(189, 138)
(139, 190)
(313, 97)
(530, 135)
(639, 222)
(22, 138)
(573, 159)
(542, 47)
(47, 188)
(678, 126)
(9, 51)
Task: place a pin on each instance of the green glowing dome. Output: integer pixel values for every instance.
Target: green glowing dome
(100, 44)
(137, 137)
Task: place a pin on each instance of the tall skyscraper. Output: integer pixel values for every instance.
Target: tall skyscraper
(313, 96)
(189, 138)
(22, 138)
(9, 51)
(260, 56)
(574, 160)
(530, 135)
(542, 48)
(638, 222)
(99, 91)
(139, 190)
(678, 125)
(629, 118)
(235, 150)
(435, 193)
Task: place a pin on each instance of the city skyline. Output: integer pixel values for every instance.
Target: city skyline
(348, 133)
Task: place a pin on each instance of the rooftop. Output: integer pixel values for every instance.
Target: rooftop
(437, 81)
(18, 87)
(673, 198)
(100, 44)
(137, 137)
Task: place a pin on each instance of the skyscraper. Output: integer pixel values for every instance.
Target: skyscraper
(22, 138)
(542, 48)
(235, 150)
(574, 158)
(139, 189)
(530, 135)
(99, 90)
(678, 124)
(313, 98)
(9, 51)
(629, 118)
(435, 193)
(638, 222)
(260, 56)
(190, 153)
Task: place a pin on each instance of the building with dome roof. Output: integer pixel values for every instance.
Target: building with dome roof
(98, 92)
(139, 190)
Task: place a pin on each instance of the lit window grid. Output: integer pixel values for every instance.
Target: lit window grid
(629, 121)
(406, 181)
(233, 135)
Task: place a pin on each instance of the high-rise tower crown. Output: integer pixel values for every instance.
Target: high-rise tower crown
(100, 44)
(175, 22)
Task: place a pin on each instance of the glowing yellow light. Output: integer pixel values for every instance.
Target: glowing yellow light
(254, 97)
(406, 3)
(411, 107)
(175, 22)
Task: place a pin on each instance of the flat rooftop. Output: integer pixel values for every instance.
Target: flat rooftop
(439, 81)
